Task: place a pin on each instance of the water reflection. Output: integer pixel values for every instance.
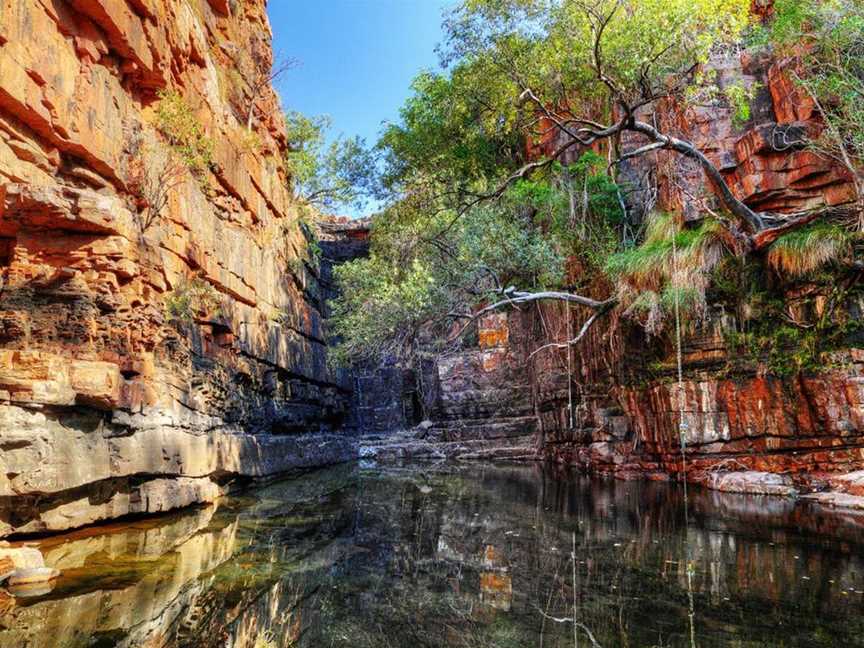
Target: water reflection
(470, 556)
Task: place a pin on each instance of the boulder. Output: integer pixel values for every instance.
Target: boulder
(753, 482)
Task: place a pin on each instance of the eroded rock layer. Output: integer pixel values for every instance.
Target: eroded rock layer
(612, 403)
(160, 321)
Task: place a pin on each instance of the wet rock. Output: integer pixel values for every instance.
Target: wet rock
(756, 483)
(837, 500)
(23, 558)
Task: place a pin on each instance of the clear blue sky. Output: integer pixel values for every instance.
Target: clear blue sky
(357, 57)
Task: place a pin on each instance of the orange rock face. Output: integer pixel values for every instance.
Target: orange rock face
(763, 159)
(203, 317)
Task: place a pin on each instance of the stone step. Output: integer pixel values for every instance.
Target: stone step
(513, 453)
(484, 429)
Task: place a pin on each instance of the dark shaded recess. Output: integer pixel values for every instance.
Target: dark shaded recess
(7, 246)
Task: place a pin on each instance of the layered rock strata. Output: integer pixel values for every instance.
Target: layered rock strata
(160, 316)
(612, 404)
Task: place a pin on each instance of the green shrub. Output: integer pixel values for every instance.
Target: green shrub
(176, 120)
(189, 298)
(739, 98)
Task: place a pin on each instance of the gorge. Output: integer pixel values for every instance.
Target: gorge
(230, 416)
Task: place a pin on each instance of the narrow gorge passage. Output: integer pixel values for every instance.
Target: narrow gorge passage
(405, 323)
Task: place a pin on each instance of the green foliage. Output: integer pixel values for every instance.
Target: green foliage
(550, 44)
(455, 132)
(669, 249)
(578, 207)
(439, 248)
(420, 272)
(783, 349)
(380, 306)
(189, 298)
(249, 141)
(671, 265)
(803, 251)
(326, 174)
(739, 98)
(176, 120)
(828, 37)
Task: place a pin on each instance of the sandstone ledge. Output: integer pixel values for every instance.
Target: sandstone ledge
(61, 470)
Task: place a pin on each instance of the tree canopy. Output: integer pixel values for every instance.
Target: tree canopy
(502, 171)
(326, 174)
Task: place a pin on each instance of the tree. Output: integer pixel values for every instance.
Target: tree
(266, 73)
(326, 174)
(155, 172)
(575, 76)
(824, 44)
(424, 283)
(588, 69)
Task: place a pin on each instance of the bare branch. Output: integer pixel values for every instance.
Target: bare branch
(754, 221)
(264, 80)
(563, 345)
(580, 625)
(515, 298)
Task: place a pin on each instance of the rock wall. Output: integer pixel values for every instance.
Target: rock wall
(611, 404)
(738, 414)
(484, 393)
(160, 326)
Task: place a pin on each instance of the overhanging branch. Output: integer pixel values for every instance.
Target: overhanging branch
(515, 298)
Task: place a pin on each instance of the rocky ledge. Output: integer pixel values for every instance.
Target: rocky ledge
(61, 469)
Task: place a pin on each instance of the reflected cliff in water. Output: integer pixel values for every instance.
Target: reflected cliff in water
(447, 556)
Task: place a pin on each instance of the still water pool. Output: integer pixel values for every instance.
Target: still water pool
(469, 556)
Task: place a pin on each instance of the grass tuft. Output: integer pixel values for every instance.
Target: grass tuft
(650, 265)
(801, 252)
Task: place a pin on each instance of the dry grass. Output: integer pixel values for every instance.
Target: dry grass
(801, 252)
(672, 265)
(652, 264)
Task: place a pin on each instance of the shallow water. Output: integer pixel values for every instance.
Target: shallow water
(466, 557)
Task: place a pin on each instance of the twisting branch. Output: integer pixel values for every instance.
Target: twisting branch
(515, 298)
(563, 345)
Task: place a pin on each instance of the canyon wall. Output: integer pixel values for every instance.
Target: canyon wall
(611, 403)
(160, 313)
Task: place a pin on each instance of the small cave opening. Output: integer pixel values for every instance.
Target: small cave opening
(7, 251)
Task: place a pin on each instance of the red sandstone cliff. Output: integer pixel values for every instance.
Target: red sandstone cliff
(110, 402)
(612, 405)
